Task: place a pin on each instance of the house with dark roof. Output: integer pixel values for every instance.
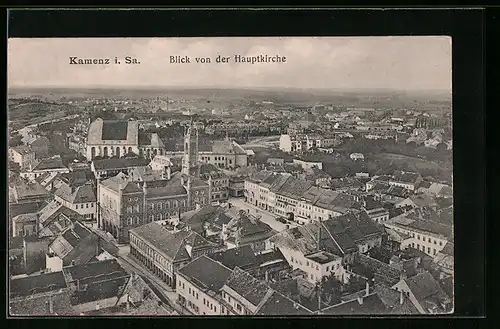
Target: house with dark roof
(81, 199)
(425, 293)
(268, 265)
(44, 294)
(247, 229)
(163, 252)
(426, 235)
(55, 218)
(279, 305)
(199, 284)
(95, 285)
(363, 305)
(105, 168)
(75, 246)
(375, 210)
(243, 294)
(42, 166)
(407, 180)
(22, 155)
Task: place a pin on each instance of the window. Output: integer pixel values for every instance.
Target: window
(440, 243)
(129, 209)
(428, 250)
(238, 307)
(328, 268)
(86, 205)
(413, 245)
(307, 263)
(434, 251)
(418, 237)
(229, 298)
(434, 241)
(196, 295)
(76, 206)
(317, 268)
(189, 290)
(429, 240)
(92, 205)
(418, 246)
(204, 301)
(215, 308)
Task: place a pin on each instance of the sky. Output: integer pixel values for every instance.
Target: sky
(408, 63)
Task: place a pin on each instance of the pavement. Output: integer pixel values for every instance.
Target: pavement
(266, 216)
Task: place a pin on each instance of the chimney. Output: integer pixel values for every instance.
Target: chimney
(401, 298)
(367, 289)
(360, 300)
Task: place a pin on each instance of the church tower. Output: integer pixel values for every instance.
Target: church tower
(190, 158)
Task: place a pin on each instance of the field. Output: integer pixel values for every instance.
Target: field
(248, 98)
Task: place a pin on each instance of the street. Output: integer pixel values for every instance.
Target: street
(266, 217)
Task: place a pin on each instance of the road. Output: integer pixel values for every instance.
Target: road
(122, 252)
(266, 217)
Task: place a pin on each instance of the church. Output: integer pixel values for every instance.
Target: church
(146, 195)
(115, 138)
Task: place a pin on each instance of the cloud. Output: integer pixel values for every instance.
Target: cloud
(312, 62)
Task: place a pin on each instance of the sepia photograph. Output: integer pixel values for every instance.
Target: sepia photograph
(230, 176)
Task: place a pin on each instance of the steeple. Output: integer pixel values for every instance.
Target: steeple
(190, 158)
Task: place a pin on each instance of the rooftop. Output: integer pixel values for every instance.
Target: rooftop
(250, 288)
(119, 163)
(368, 305)
(206, 273)
(277, 304)
(37, 284)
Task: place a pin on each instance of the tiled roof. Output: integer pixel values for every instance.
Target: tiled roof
(294, 188)
(406, 177)
(39, 305)
(37, 284)
(114, 130)
(250, 288)
(277, 304)
(392, 300)
(119, 163)
(47, 164)
(371, 304)
(69, 240)
(425, 287)
(81, 194)
(170, 244)
(24, 189)
(22, 149)
(206, 273)
(242, 257)
(97, 280)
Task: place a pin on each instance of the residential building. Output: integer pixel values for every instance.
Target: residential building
(425, 293)
(199, 284)
(81, 199)
(95, 285)
(105, 168)
(23, 155)
(357, 156)
(428, 236)
(246, 229)
(75, 246)
(218, 182)
(375, 210)
(43, 166)
(163, 252)
(407, 180)
(304, 142)
(243, 294)
(225, 154)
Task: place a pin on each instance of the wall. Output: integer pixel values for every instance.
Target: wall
(420, 240)
(92, 306)
(205, 305)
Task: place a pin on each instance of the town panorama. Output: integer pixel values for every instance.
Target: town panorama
(223, 202)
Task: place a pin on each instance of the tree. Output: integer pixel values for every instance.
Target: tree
(330, 289)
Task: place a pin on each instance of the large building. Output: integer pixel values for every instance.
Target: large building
(115, 138)
(145, 195)
(304, 143)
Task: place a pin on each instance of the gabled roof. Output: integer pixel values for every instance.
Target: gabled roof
(248, 287)
(22, 149)
(172, 245)
(277, 304)
(48, 164)
(119, 163)
(425, 288)
(368, 305)
(242, 257)
(97, 280)
(206, 273)
(69, 240)
(81, 194)
(36, 284)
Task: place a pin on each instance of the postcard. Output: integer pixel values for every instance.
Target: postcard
(230, 176)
